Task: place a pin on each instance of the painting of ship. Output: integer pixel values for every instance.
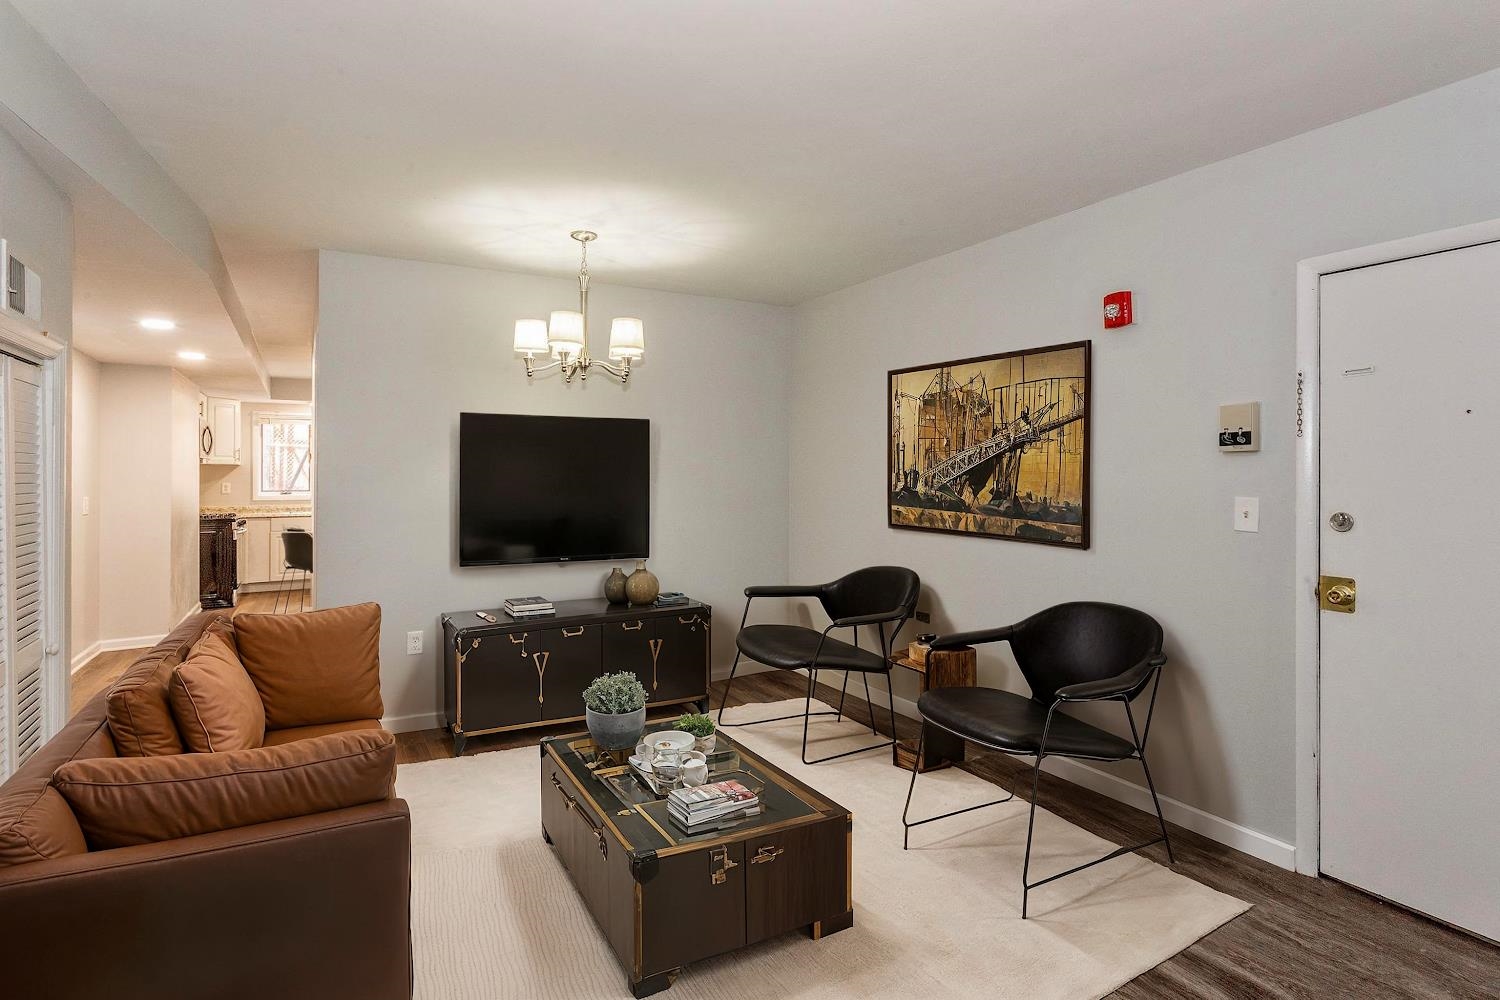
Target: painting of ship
(994, 446)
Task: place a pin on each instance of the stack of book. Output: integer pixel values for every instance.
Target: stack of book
(670, 599)
(711, 807)
(528, 607)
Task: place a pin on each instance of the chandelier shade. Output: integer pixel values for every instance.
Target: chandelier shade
(627, 338)
(531, 336)
(565, 332)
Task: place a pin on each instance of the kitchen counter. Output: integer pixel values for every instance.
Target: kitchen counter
(261, 510)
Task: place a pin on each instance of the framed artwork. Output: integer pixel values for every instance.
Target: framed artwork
(995, 446)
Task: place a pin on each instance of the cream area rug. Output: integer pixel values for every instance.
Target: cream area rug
(495, 917)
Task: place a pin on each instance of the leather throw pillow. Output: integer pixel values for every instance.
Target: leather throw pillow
(213, 699)
(315, 667)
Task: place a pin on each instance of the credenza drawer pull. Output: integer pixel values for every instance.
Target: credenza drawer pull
(632, 628)
(572, 806)
(573, 634)
(764, 854)
(521, 641)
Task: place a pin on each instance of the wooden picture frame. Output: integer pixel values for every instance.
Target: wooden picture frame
(982, 446)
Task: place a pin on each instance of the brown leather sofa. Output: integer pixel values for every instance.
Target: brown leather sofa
(313, 905)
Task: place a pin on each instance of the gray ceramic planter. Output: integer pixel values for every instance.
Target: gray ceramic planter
(616, 732)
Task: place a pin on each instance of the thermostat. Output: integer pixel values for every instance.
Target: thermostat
(1239, 427)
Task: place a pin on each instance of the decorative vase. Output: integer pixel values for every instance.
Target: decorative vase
(616, 732)
(614, 587)
(641, 587)
(705, 744)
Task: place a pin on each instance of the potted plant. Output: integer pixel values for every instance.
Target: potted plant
(616, 710)
(702, 728)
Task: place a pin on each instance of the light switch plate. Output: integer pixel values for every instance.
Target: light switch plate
(1247, 513)
(413, 643)
(85, 506)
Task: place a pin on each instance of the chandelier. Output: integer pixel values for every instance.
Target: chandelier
(565, 334)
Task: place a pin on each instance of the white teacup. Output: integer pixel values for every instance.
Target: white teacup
(694, 769)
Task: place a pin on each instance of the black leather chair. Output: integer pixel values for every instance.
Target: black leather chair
(1069, 654)
(297, 547)
(879, 595)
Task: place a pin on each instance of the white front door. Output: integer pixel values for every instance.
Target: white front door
(1410, 682)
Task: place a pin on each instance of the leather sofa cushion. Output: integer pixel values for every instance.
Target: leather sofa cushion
(140, 711)
(139, 707)
(35, 822)
(279, 737)
(213, 699)
(139, 800)
(44, 829)
(316, 667)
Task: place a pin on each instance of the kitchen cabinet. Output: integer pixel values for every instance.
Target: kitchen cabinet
(255, 551)
(219, 431)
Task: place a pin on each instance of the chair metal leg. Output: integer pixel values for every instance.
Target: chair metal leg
(1027, 886)
(1140, 749)
(727, 685)
(842, 694)
(907, 823)
(280, 587)
(301, 595)
(870, 704)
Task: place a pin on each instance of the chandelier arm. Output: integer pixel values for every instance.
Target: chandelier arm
(534, 369)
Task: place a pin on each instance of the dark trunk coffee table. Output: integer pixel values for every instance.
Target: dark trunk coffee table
(664, 898)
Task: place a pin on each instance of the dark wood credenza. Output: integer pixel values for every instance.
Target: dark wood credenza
(518, 674)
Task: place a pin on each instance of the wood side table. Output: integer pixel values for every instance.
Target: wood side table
(944, 668)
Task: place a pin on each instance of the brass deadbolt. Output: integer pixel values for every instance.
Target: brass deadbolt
(1336, 593)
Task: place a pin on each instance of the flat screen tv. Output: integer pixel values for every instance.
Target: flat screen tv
(552, 489)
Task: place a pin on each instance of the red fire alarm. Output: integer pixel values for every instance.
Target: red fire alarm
(1117, 310)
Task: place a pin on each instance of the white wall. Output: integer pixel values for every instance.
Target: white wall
(83, 423)
(148, 500)
(402, 348)
(1211, 256)
(184, 465)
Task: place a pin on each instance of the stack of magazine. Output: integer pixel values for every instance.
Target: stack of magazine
(670, 599)
(711, 807)
(528, 607)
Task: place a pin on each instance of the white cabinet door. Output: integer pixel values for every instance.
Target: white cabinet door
(221, 438)
(255, 554)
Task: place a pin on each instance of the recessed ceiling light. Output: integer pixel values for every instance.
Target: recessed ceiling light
(192, 355)
(157, 323)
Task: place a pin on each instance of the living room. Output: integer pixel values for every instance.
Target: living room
(921, 317)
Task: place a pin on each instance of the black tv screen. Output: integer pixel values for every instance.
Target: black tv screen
(552, 489)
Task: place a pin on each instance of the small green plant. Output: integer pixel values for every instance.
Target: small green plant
(615, 694)
(700, 726)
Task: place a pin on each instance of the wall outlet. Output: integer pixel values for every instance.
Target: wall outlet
(925, 617)
(224, 487)
(413, 643)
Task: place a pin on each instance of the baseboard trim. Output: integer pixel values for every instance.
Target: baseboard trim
(412, 723)
(89, 652)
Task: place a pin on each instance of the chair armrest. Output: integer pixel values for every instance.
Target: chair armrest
(319, 901)
(786, 590)
(953, 640)
(1113, 687)
(883, 616)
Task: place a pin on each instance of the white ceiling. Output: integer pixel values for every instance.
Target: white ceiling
(752, 149)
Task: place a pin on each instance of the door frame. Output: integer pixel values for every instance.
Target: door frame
(21, 338)
(1310, 273)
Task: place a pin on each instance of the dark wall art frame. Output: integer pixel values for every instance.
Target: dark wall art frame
(995, 446)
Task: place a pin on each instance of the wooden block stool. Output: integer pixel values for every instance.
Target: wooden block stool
(944, 668)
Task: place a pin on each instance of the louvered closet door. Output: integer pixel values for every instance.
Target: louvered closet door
(23, 725)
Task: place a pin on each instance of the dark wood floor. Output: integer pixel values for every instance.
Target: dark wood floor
(1302, 938)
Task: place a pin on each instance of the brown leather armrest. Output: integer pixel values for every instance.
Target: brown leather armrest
(319, 904)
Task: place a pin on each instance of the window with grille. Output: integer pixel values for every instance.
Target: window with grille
(283, 456)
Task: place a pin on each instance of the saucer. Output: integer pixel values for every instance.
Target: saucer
(676, 737)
